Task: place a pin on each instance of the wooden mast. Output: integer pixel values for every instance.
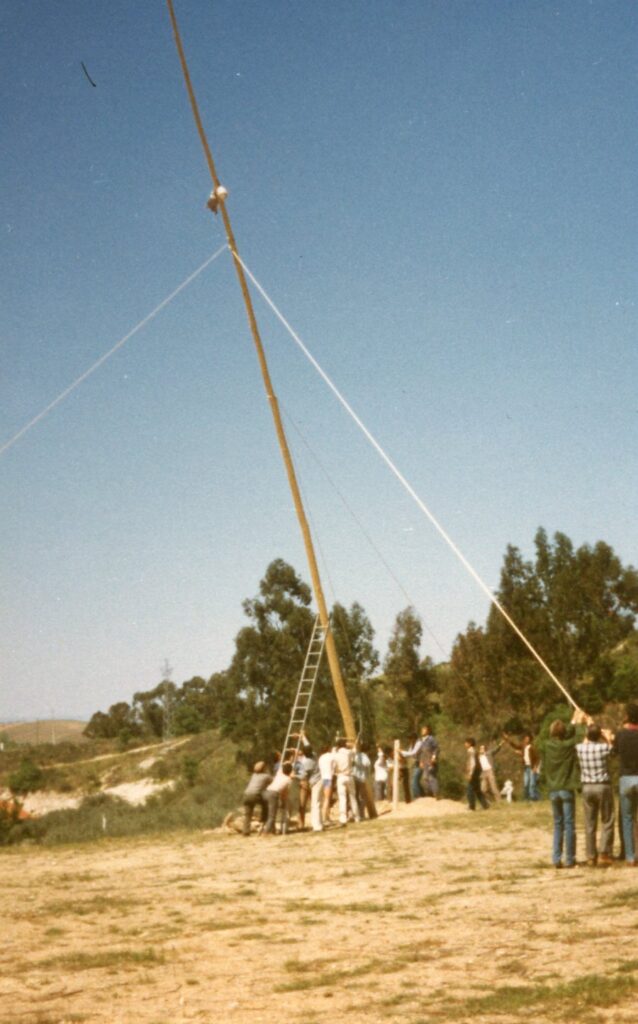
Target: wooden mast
(218, 197)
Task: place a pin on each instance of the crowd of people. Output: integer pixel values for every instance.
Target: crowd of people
(342, 783)
(338, 784)
(577, 757)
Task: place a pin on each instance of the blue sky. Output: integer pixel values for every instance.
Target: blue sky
(440, 197)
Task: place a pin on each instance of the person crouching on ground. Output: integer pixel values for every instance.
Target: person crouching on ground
(253, 795)
(276, 795)
(562, 779)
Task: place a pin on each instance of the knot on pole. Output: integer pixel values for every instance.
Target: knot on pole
(217, 196)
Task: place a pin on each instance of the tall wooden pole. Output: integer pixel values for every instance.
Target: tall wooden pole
(219, 195)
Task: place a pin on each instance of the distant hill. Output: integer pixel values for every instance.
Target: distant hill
(52, 730)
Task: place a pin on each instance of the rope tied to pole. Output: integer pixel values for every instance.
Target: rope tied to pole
(410, 490)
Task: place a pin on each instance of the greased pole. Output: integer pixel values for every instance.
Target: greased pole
(218, 202)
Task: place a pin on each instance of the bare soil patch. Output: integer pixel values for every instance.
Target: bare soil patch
(431, 915)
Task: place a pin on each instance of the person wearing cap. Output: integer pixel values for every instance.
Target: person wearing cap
(253, 795)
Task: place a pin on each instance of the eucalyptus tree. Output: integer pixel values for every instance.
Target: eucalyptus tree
(577, 606)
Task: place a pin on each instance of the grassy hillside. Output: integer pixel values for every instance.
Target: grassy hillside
(196, 778)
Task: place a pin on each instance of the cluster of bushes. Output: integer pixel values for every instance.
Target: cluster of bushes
(206, 786)
(185, 807)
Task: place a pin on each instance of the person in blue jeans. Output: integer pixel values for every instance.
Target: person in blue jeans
(626, 746)
(562, 778)
(415, 779)
(531, 762)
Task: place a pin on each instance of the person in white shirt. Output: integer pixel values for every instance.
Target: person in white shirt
(488, 780)
(345, 783)
(414, 751)
(313, 777)
(380, 774)
(328, 770)
(276, 795)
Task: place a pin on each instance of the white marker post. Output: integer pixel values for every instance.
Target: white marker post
(395, 777)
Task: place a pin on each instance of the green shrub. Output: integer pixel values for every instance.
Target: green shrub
(159, 771)
(27, 779)
(9, 823)
(624, 685)
(214, 788)
(190, 770)
(451, 782)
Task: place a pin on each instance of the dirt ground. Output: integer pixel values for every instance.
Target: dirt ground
(434, 914)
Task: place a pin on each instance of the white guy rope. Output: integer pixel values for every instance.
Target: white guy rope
(107, 355)
(410, 490)
(363, 530)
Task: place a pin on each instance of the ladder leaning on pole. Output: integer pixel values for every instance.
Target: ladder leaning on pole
(297, 723)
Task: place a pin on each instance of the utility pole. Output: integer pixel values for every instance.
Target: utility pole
(217, 202)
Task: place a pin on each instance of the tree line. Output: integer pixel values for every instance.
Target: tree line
(576, 606)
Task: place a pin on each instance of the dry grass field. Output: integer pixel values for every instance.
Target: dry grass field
(435, 915)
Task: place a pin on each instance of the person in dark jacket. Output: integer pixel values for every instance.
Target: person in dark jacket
(626, 746)
(473, 776)
(563, 779)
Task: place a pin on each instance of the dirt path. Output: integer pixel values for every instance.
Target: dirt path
(162, 746)
(436, 915)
